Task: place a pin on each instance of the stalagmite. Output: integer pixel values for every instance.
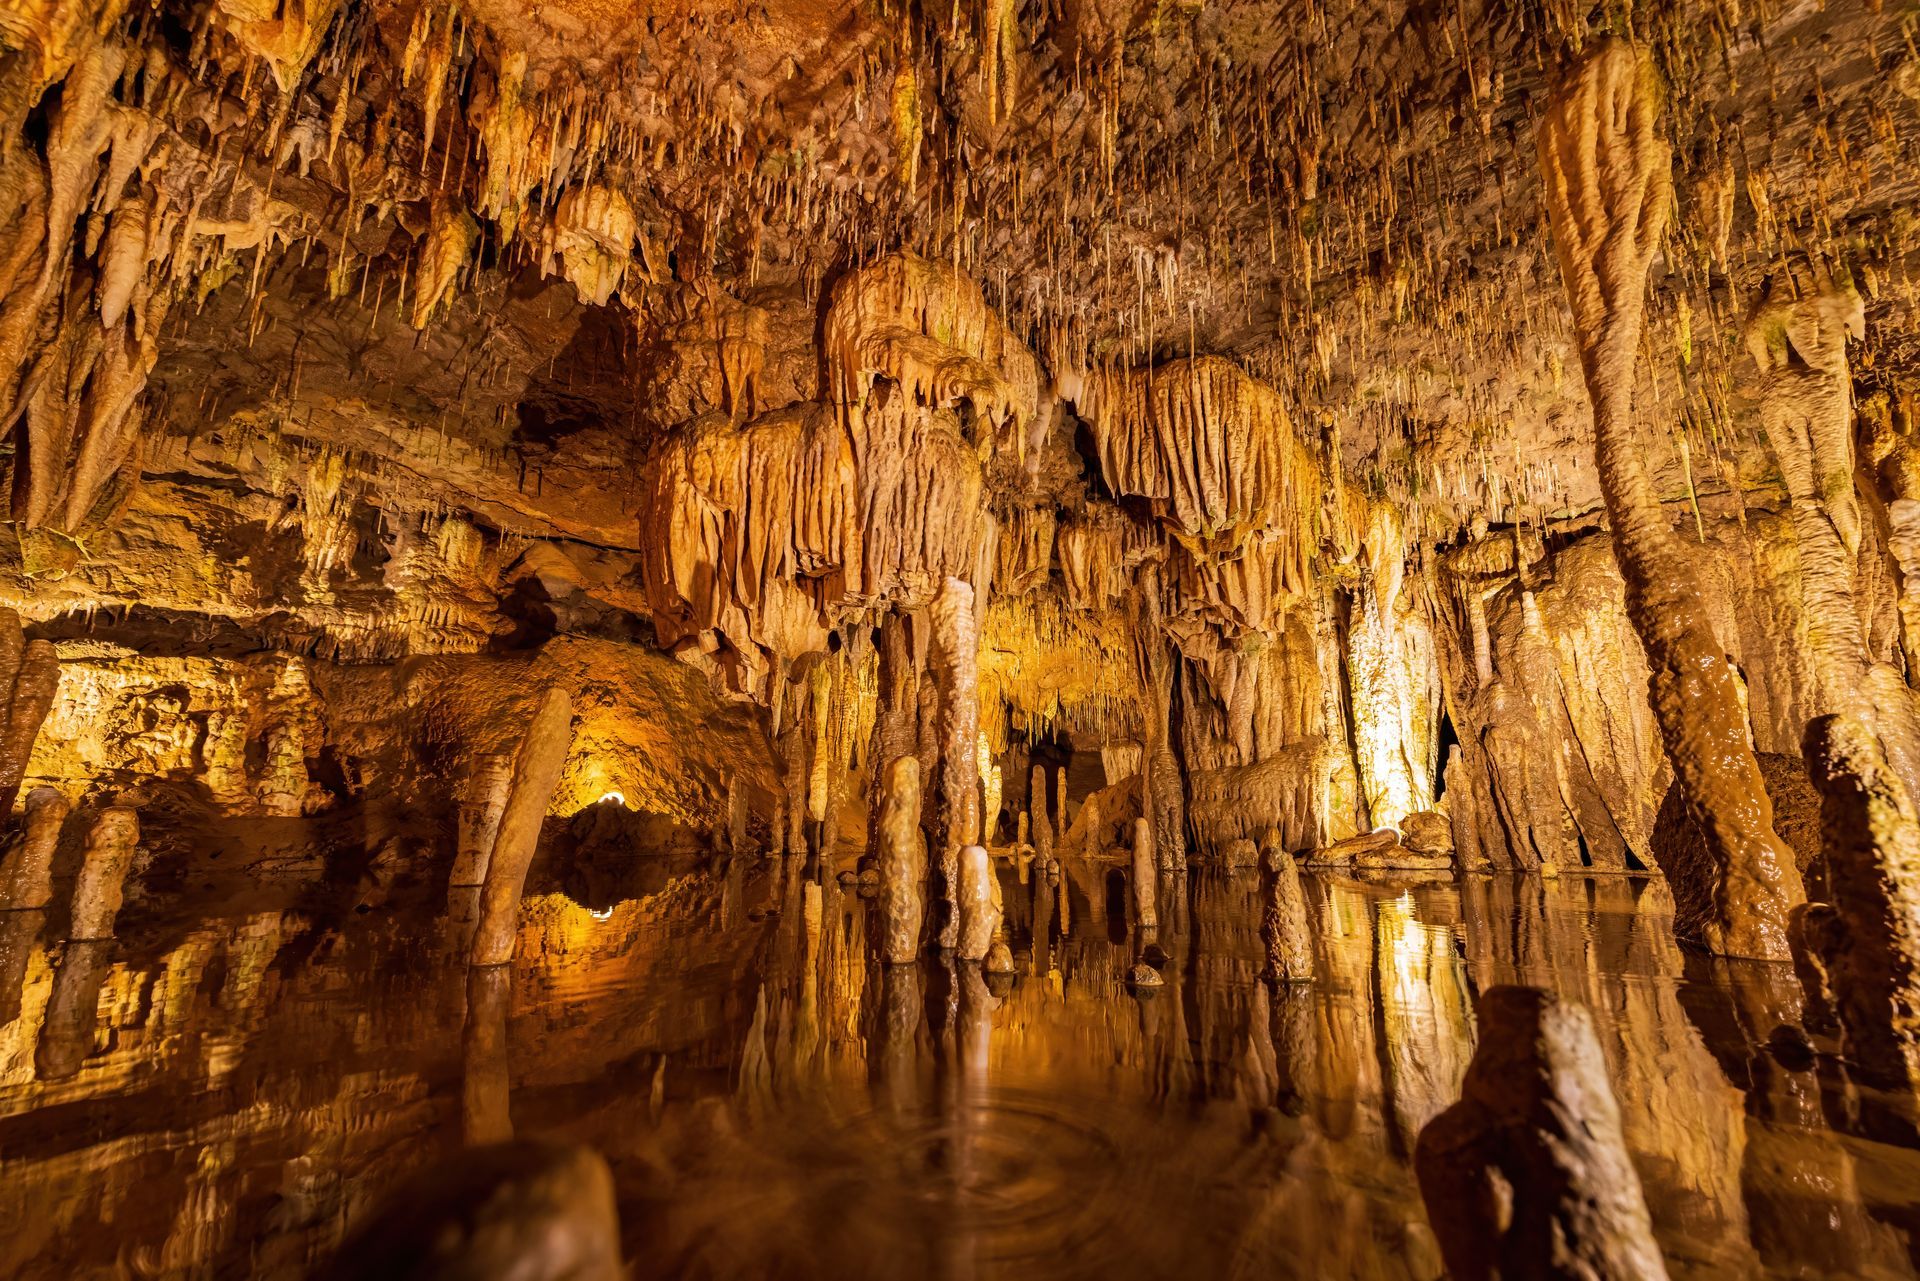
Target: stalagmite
(1041, 827)
(1145, 891)
(30, 673)
(536, 772)
(26, 872)
(957, 639)
(903, 863)
(1806, 408)
(1528, 1174)
(103, 872)
(1608, 190)
(1870, 950)
(73, 1009)
(979, 903)
(1289, 934)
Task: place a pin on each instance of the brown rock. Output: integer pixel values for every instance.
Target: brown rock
(1528, 1174)
(103, 873)
(536, 772)
(1145, 891)
(1870, 945)
(530, 1211)
(1429, 833)
(26, 873)
(1288, 932)
(903, 863)
(979, 903)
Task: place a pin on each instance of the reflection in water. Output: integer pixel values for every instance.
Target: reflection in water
(226, 1096)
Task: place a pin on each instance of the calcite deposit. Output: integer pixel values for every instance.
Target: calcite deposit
(1013, 468)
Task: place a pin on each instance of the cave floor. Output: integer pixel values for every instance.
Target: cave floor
(221, 1096)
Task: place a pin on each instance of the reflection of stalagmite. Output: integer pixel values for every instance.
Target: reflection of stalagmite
(898, 1061)
(26, 872)
(1528, 1175)
(1871, 949)
(1289, 934)
(957, 633)
(536, 772)
(903, 863)
(103, 872)
(30, 673)
(1146, 913)
(1608, 189)
(19, 931)
(979, 903)
(73, 1009)
(484, 1087)
(535, 1211)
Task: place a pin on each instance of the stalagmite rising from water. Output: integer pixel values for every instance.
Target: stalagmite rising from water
(536, 771)
(103, 873)
(1288, 930)
(26, 871)
(1608, 190)
(1870, 950)
(903, 863)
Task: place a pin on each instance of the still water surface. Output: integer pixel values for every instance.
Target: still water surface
(224, 1096)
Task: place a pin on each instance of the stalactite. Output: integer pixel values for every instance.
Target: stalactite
(1607, 190)
(98, 889)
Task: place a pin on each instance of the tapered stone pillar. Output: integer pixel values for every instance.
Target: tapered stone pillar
(1289, 935)
(903, 863)
(1868, 942)
(979, 903)
(26, 873)
(1145, 892)
(103, 873)
(536, 772)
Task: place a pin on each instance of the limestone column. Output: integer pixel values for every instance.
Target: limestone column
(536, 772)
(1869, 942)
(1806, 408)
(103, 873)
(30, 675)
(1145, 892)
(476, 820)
(957, 636)
(979, 903)
(26, 873)
(73, 1008)
(1608, 189)
(1041, 826)
(903, 863)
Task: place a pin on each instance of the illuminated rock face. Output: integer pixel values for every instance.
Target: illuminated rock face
(466, 449)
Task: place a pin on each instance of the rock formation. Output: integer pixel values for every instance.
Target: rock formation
(1608, 190)
(1868, 947)
(1288, 931)
(26, 870)
(979, 903)
(903, 863)
(97, 890)
(536, 772)
(1528, 1174)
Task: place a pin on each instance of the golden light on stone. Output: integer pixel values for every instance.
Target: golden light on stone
(1219, 639)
